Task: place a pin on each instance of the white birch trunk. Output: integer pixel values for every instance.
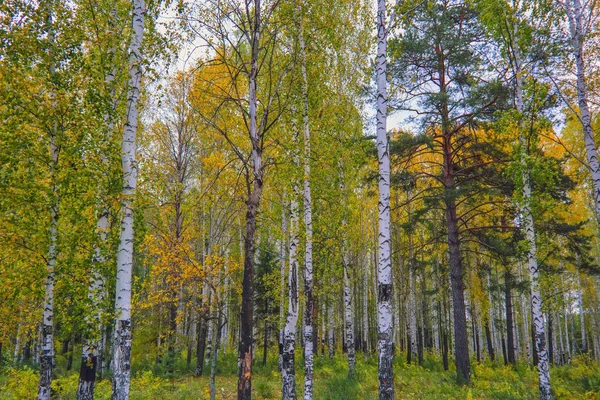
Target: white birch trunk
(567, 339)
(122, 339)
(308, 256)
(282, 255)
(47, 329)
(209, 336)
(288, 371)
(575, 14)
(384, 267)
(96, 292)
(348, 305)
(365, 315)
(529, 228)
(581, 314)
(47, 350)
(17, 342)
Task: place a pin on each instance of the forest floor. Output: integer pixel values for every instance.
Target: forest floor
(580, 380)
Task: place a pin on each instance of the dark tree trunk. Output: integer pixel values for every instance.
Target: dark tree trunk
(200, 345)
(27, 350)
(550, 338)
(247, 311)
(420, 345)
(490, 346)
(70, 355)
(504, 350)
(266, 339)
(408, 349)
(87, 377)
(445, 350)
(461, 344)
(510, 345)
(171, 336)
(476, 340)
(535, 353)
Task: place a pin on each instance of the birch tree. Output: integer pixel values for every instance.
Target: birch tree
(251, 54)
(288, 371)
(122, 339)
(580, 16)
(384, 267)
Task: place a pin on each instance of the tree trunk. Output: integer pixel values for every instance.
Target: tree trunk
(510, 341)
(529, 228)
(288, 372)
(213, 365)
(47, 334)
(490, 346)
(266, 334)
(309, 306)
(384, 267)
(282, 285)
(461, 346)
(348, 306)
(575, 11)
(122, 339)
(200, 345)
(245, 349)
(96, 292)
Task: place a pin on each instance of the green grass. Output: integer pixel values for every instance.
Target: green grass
(580, 380)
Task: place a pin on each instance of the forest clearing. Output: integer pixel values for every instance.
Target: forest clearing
(350, 199)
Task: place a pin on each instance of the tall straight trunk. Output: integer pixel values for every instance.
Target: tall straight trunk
(122, 338)
(266, 334)
(575, 14)
(288, 372)
(255, 187)
(47, 333)
(91, 344)
(412, 310)
(365, 308)
(282, 283)
(309, 306)
(47, 348)
(461, 343)
(561, 343)
(488, 338)
(330, 329)
(461, 346)
(584, 345)
(209, 331)
(348, 306)
(529, 228)
(384, 268)
(510, 340)
(213, 364)
(551, 352)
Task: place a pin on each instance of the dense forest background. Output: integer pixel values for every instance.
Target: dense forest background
(282, 199)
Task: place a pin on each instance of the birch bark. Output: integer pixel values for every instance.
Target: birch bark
(245, 349)
(384, 268)
(92, 345)
(122, 339)
(47, 329)
(308, 256)
(47, 339)
(575, 15)
(348, 305)
(529, 228)
(289, 331)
